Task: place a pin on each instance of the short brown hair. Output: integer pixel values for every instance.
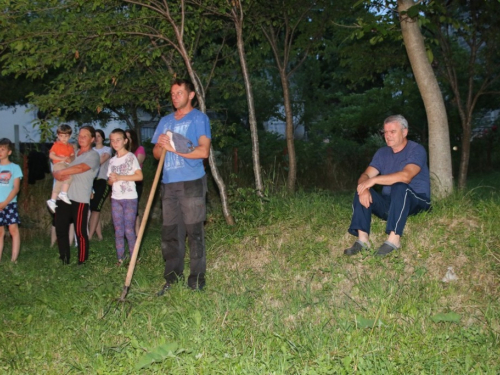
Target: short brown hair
(8, 143)
(64, 129)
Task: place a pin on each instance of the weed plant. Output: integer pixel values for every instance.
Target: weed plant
(281, 298)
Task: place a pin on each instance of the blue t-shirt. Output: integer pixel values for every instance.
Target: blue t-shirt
(8, 173)
(387, 162)
(192, 126)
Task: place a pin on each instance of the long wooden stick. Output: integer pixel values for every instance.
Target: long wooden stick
(144, 221)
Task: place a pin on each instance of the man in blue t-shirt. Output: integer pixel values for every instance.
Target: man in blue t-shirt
(184, 185)
(401, 168)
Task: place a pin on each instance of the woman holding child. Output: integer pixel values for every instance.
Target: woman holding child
(82, 170)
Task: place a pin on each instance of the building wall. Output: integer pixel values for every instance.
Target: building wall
(24, 117)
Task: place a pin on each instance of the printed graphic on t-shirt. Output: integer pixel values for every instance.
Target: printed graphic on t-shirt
(124, 169)
(174, 161)
(5, 177)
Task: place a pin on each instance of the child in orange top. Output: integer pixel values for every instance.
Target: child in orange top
(62, 153)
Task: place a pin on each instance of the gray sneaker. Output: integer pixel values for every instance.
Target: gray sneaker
(356, 248)
(386, 248)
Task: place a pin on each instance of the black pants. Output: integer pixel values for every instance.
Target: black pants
(76, 213)
(184, 212)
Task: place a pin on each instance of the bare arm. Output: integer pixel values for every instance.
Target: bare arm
(67, 159)
(141, 158)
(64, 174)
(113, 177)
(405, 176)
(365, 197)
(12, 194)
(104, 157)
(200, 152)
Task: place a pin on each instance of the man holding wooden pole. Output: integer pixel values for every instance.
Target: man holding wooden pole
(185, 137)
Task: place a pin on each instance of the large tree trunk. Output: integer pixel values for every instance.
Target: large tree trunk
(439, 138)
(238, 24)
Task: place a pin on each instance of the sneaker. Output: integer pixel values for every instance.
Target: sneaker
(386, 248)
(356, 248)
(165, 288)
(64, 198)
(52, 205)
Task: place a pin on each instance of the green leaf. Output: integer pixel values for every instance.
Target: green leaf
(197, 318)
(158, 354)
(368, 323)
(167, 349)
(430, 55)
(446, 317)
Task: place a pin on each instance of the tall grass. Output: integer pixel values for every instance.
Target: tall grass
(280, 298)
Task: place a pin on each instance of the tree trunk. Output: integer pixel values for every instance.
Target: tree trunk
(439, 138)
(464, 156)
(211, 158)
(200, 92)
(238, 24)
(290, 143)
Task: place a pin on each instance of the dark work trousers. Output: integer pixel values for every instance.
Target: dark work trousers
(395, 208)
(66, 214)
(184, 212)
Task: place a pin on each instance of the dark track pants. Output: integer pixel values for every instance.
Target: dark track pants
(395, 209)
(66, 214)
(184, 212)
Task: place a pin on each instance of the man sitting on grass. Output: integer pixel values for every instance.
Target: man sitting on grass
(401, 168)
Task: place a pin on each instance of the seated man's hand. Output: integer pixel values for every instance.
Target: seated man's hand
(365, 198)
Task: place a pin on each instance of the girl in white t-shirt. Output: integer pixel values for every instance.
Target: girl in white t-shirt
(123, 171)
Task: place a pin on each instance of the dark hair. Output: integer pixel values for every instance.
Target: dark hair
(122, 132)
(90, 129)
(8, 143)
(187, 84)
(134, 140)
(101, 133)
(64, 129)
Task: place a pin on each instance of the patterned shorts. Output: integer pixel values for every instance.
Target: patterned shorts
(9, 215)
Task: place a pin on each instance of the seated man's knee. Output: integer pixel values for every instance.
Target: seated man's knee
(399, 188)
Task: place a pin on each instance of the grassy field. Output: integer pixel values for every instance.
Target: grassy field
(280, 297)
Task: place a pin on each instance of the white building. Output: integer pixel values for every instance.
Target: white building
(17, 124)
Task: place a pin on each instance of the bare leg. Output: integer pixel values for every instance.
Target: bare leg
(2, 235)
(394, 238)
(53, 236)
(94, 224)
(16, 241)
(137, 224)
(65, 188)
(71, 233)
(363, 236)
(98, 229)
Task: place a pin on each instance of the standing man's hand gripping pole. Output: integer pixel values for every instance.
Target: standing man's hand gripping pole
(200, 152)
